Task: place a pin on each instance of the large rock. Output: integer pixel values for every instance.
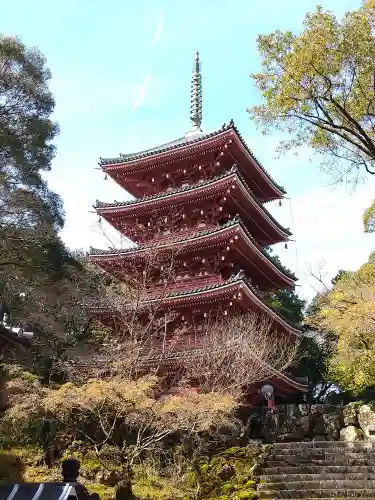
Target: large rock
(283, 421)
(226, 472)
(316, 419)
(332, 425)
(305, 419)
(110, 478)
(351, 433)
(366, 420)
(349, 413)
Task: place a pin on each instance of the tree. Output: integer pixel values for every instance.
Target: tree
(347, 312)
(313, 357)
(41, 282)
(285, 301)
(319, 88)
(120, 419)
(369, 219)
(237, 353)
(30, 214)
(339, 275)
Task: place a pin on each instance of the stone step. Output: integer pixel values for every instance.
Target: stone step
(324, 484)
(318, 469)
(312, 452)
(327, 457)
(325, 444)
(309, 450)
(299, 462)
(323, 476)
(318, 493)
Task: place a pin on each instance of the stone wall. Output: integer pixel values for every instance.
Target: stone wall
(305, 422)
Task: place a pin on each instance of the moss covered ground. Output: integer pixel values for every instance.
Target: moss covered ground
(223, 476)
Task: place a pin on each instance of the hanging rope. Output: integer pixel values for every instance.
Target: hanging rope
(295, 236)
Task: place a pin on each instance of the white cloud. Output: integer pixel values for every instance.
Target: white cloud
(158, 32)
(142, 92)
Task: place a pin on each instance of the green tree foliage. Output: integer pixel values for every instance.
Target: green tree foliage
(288, 304)
(319, 88)
(369, 219)
(314, 350)
(286, 301)
(346, 312)
(371, 258)
(30, 214)
(33, 260)
(339, 275)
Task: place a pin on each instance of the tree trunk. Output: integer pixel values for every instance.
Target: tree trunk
(124, 490)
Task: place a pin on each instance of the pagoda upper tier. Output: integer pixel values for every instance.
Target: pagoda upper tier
(193, 304)
(200, 256)
(204, 204)
(188, 160)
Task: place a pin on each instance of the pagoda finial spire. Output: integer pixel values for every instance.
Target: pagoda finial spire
(196, 96)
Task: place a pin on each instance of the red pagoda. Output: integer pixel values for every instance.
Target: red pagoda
(203, 197)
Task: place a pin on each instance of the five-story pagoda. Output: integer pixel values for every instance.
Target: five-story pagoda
(201, 197)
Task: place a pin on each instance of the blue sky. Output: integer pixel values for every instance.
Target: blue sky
(121, 77)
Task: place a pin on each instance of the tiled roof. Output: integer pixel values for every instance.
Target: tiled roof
(232, 222)
(233, 170)
(185, 141)
(233, 279)
(164, 194)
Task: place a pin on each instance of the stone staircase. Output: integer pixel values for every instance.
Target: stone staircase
(325, 470)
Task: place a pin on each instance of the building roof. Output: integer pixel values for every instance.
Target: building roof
(231, 224)
(182, 143)
(236, 280)
(102, 207)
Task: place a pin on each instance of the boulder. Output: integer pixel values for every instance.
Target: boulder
(316, 419)
(109, 478)
(289, 422)
(226, 472)
(321, 409)
(305, 423)
(351, 433)
(349, 413)
(317, 425)
(332, 425)
(304, 409)
(366, 420)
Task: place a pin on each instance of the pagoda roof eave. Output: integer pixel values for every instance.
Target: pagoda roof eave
(237, 281)
(183, 145)
(103, 208)
(198, 238)
(287, 380)
(281, 380)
